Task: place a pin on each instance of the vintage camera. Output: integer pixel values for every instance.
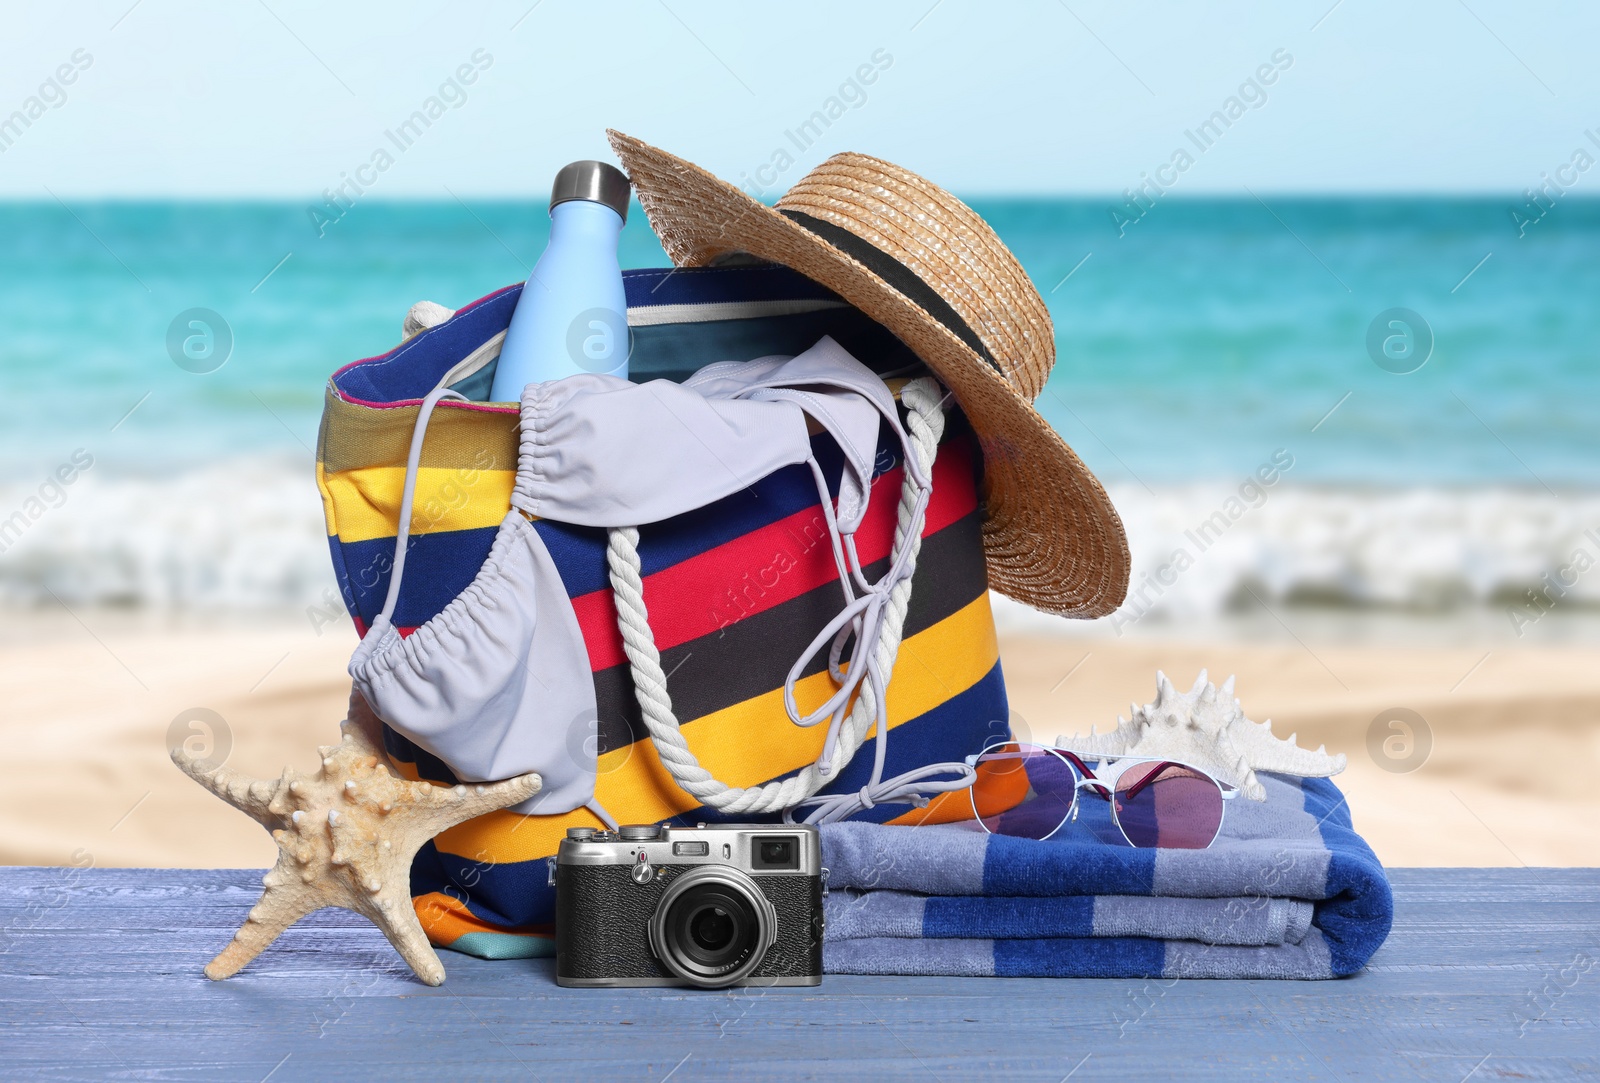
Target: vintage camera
(708, 906)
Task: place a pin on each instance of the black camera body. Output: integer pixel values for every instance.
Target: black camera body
(711, 906)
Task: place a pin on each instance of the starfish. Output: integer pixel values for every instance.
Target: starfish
(346, 837)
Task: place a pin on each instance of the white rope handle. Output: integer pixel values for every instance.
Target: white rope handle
(925, 422)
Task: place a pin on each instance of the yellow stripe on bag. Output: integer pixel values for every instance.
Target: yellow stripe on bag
(448, 498)
(328, 510)
(743, 745)
(354, 436)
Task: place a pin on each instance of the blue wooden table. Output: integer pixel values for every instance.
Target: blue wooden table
(1489, 974)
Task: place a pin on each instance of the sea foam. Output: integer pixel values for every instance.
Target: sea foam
(1197, 551)
(245, 535)
(249, 535)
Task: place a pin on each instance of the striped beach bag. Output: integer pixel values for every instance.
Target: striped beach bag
(736, 590)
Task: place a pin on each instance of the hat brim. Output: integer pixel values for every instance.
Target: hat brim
(1051, 536)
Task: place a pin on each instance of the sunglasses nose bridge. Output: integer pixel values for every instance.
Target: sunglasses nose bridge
(1095, 786)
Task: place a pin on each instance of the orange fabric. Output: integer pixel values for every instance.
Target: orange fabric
(446, 920)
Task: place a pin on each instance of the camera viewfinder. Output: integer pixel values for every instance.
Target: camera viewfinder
(774, 852)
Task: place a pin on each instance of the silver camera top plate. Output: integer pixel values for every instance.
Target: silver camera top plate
(755, 848)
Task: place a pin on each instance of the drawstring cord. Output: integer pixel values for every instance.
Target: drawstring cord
(861, 616)
(408, 495)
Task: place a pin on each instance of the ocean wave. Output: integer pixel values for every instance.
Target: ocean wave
(249, 535)
(243, 535)
(1202, 551)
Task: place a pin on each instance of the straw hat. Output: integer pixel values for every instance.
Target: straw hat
(919, 261)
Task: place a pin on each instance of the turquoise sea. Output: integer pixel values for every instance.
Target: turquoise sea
(1207, 337)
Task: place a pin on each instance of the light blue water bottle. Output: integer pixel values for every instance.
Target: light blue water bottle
(572, 316)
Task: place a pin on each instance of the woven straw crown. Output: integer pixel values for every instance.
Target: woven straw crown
(941, 241)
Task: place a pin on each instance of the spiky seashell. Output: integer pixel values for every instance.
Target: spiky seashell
(1206, 727)
(346, 836)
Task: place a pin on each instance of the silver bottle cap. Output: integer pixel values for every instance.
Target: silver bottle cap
(596, 182)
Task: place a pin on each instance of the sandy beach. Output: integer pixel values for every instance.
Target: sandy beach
(1515, 732)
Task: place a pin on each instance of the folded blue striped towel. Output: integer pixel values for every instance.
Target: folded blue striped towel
(1288, 890)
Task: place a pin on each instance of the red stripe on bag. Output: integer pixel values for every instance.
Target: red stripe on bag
(769, 566)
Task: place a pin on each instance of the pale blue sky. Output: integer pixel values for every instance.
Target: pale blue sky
(277, 99)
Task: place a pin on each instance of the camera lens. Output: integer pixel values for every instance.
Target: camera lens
(712, 927)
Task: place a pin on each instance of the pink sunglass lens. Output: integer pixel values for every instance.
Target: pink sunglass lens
(1170, 806)
(1022, 791)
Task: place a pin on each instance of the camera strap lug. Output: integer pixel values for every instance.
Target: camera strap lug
(550, 864)
(824, 881)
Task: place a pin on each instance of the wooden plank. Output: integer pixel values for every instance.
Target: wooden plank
(100, 978)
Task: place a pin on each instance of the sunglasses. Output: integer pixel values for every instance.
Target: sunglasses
(1031, 791)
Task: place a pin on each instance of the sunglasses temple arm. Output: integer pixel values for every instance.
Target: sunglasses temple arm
(1102, 790)
(1133, 791)
(1078, 765)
